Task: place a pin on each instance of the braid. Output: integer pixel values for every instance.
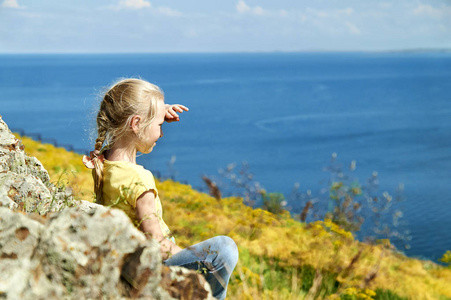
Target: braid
(103, 123)
(98, 165)
(100, 140)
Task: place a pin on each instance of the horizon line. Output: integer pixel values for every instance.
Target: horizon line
(405, 50)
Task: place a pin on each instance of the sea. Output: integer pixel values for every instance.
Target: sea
(272, 119)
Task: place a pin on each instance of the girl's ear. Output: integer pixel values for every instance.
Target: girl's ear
(135, 123)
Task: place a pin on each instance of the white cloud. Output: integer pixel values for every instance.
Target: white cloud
(243, 8)
(385, 5)
(352, 28)
(167, 11)
(429, 11)
(346, 11)
(133, 4)
(337, 13)
(143, 4)
(11, 4)
(258, 10)
(426, 10)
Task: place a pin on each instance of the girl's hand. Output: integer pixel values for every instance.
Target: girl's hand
(171, 112)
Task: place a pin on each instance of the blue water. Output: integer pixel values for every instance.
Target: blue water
(285, 114)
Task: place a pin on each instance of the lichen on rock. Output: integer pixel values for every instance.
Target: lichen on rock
(24, 183)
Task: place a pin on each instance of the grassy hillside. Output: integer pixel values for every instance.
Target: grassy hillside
(280, 258)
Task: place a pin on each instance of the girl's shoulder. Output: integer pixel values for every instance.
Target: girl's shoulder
(127, 169)
(124, 179)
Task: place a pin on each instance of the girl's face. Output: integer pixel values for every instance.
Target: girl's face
(153, 132)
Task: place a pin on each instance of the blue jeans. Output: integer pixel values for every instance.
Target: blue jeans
(218, 256)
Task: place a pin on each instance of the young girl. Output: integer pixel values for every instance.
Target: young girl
(129, 121)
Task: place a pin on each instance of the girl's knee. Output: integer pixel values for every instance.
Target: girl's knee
(224, 241)
(228, 247)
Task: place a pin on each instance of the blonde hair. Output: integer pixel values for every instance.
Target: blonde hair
(124, 99)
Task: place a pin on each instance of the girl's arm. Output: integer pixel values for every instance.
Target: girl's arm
(146, 213)
(171, 112)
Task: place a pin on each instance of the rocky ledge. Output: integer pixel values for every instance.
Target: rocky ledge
(55, 247)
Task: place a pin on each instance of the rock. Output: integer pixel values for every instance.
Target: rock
(74, 253)
(20, 274)
(24, 182)
(54, 247)
(184, 284)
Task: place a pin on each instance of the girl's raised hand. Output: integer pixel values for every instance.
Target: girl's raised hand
(171, 112)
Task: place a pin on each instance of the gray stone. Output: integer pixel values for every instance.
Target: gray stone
(24, 180)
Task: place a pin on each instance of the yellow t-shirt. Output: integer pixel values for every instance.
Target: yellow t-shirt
(124, 183)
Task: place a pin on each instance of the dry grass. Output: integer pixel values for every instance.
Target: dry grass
(280, 258)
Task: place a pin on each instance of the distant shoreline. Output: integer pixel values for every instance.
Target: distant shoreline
(312, 51)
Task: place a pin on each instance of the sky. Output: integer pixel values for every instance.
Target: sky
(116, 26)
